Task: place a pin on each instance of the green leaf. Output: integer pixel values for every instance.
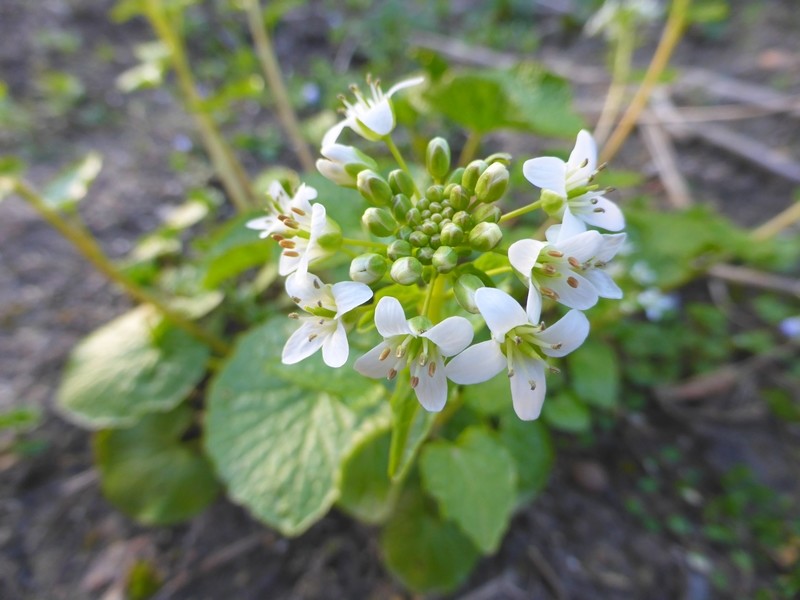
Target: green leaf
(279, 433)
(566, 413)
(132, 366)
(474, 482)
(530, 445)
(20, 419)
(72, 184)
(411, 425)
(424, 552)
(10, 168)
(151, 474)
(594, 374)
(490, 397)
(482, 103)
(367, 493)
(234, 249)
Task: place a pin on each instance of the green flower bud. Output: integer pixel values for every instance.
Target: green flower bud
(418, 239)
(367, 268)
(492, 184)
(436, 240)
(426, 214)
(423, 204)
(503, 158)
(406, 270)
(343, 163)
(429, 228)
(425, 255)
(435, 207)
(399, 249)
(471, 175)
(487, 212)
(401, 204)
(374, 188)
(463, 220)
(401, 182)
(465, 289)
(455, 176)
(448, 212)
(459, 199)
(437, 158)
(552, 203)
(404, 232)
(485, 236)
(331, 237)
(452, 234)
(414, 216)
(437, 218)
(379, 221)
(445, 259)
(434, 193)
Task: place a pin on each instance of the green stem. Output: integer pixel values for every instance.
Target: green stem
(498, 271)
(669, 39)
(520, 211)
(88, 247)
(272, 71)
(429, 294)
(435, 298)
(623, 56)
(364, 243)
(225, 164)
(399, 158)
(470, 148)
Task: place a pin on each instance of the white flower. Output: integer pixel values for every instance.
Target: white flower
(343, 163)
(416, 344)
(322, 327)
(296, 225)
(572, 181)
(371, 116)
(517, 344)
(657, 304)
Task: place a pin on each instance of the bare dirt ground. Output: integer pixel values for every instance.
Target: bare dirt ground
(59, 538)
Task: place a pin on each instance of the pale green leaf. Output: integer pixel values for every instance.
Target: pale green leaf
(72, 184)
(474, 482)
(151, 474)
(567, 413)
(530, 445)
(132, 366)
(279, 433)
(594, 374)
(232, 250)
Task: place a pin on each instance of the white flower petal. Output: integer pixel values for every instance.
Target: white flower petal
(611, 218)
(348, 295)
(432, 389)
(288, 264)
(477, 363)
(585, 150)
(390, 319)
(306, 340)
(304, 194)
(334, 132)
(583, 246)
(583, 296)
(451, 335)
(335, 348)
(528, 387)
(548, 173)
(309, 289)
(500, 311)
(568, 333)
(533, 305)
(612, 243)
(523, 255)
(604, 284)
(379, 119)
(370, 365)
(570, 226)
(406, 83)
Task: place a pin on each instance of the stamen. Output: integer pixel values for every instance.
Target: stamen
(585, 163)
(312, 337)
(517, 340)
(385, 354)
(610, 190)
(555, 253)
(294, 315)
(322, 321)
(431, 369)
(599, 210)
(289, 244)
(556, 346)
(549, 269)
(546, 291)
(414, 382)
(392, 374)
(594, 201)
(572, 282)
(554, 370)
(532, 384)
(573, 262)
(296, 300)
(278, 238)
(299, 211)
(316, 284)
(319, 303)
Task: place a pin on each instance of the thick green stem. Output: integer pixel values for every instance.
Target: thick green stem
(233, 176)
(272, 71)
(520, 211)
(669, 39)
(91, 251)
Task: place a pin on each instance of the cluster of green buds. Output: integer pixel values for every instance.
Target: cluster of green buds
(428, 230)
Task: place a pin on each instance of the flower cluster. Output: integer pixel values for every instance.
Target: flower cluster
(421, 260)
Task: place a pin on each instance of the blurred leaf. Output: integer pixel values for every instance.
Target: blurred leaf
(782, 405)
(367, 493)
(232, 250)
(150, 473)
(279, 433)
(131, 366)
(566, 413)
(708, 11)
(72, 184)
(532, 449)
(20, 419)
(186, 215)
(10, 168)
(149, 73)
(424, 552)
(411, 425)
(143, 581)
(474, 482)
(490, 397)
(594, 374)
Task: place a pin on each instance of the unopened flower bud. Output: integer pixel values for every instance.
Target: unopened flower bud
(437, 158)
(487, 212)
(471, 175)
(459, 199)
(401, 204)
(463, 220)
(367, 268)
(423, 203)
(331, 237)
(485, 236)
(452, 235)
(418, 239)
(436, 241)
(552, 203)
(414, 216)
(503, 158)
(435, 193)
(398, 249)
(492, 184)
(343, 163)
(374, 188)
(379, 221)
(429, 228)
(406, 270)
(425, 255)
(455, 176)
(465, 289)
(401, 182)
(445, 259)
(404, 232)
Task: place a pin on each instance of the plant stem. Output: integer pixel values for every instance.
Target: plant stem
(669, 39)
(470, 148)
(363, 243)
(429, 295)
(435, 297)
(272, 71)
(498, 271)
(399, 158)
(83, 241)
(623, 56)
(778, 223)
(230, 171)
(520, 211)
